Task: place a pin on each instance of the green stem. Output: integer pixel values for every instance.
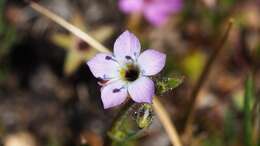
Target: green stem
(248, 112)
(130, 123)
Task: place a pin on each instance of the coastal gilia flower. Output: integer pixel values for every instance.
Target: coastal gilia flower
(157, 12)
(126, 72)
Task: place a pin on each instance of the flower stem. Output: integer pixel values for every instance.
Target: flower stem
(158, 107)
(205, 72)
(130, 123)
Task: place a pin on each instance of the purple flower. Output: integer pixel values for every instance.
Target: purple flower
(126, 72)
(156, 12)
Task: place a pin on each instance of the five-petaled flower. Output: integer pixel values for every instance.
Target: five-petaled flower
(126, 72)
(156, 12)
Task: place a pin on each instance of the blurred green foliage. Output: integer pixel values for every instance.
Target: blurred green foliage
(228, 136)
(249, 91)
(7, 37)
(193, 64)
(213, 141)
(7, 33)
(230, 131)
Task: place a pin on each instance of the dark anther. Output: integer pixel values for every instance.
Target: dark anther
(100, 79)
(108, 58)
(128, 57)
(116, 90)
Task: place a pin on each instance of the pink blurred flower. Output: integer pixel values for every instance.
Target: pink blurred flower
(156, 12)
(126, 72)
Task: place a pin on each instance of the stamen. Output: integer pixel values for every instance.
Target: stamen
(129, 58)
(100, 79)
(116, 90)
(110, 58)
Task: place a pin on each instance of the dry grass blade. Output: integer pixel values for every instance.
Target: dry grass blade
(76, 31)
(166, 121)
(205, 72)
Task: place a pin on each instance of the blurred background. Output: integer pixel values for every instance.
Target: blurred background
(48, 96)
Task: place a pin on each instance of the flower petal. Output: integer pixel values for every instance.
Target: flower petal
(126, 44)
(129, 6)
(113, 94)
(151, 62)
(142, 90)
(156, 16)
(158, 12)
(103, 66)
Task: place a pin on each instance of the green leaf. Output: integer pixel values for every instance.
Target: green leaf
(168, 83)
(248, 97)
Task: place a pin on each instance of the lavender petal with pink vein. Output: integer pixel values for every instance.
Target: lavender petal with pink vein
(157, 12)
(126, 72)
